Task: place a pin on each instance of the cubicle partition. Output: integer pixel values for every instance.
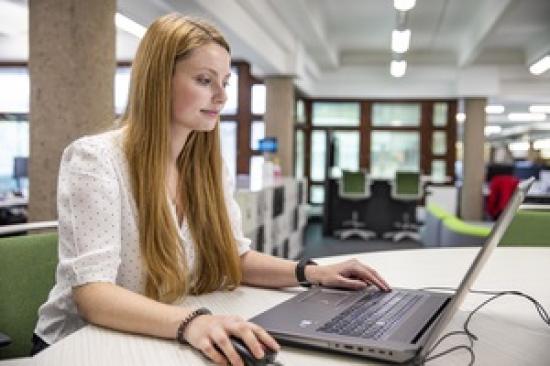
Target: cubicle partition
(274, 217)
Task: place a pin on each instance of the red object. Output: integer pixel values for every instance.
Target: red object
(501, 189)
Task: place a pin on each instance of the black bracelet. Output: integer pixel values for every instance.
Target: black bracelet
(300, 271)
(185, 323)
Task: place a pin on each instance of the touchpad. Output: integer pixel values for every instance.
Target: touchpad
(329, 297)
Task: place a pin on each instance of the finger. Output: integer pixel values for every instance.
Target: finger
(250, 340)
(208, 349)
(265, 337)
(222, 341)
(369, 275)
(351, 283)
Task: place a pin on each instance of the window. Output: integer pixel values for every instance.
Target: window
(122, 87)
(14, 142)
(438, 171)
(336, 114)
(258, 133)
(391, 151)
(440, 114)
(228, 141)
(258, 99)
(346, 150)
(317, 194)
(231, 91)
(318, 155)
(395, 114)
(300, 112)
(14, 90)
(439, 142)
(300, 154)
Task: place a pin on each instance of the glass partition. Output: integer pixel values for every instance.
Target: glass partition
(232, 92)
(440, 114)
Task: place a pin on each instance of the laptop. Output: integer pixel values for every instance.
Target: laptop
(396, 326)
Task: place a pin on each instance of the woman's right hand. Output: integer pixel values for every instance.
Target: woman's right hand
(208, 331)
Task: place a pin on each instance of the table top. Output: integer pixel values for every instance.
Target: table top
(510, 330)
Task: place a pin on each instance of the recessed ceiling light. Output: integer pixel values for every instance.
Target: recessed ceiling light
(540, 66)
(128, 25)
(400, 40)
(494, 109)
(404, 5)
(539, 109)
(398, 68)
(527, 117)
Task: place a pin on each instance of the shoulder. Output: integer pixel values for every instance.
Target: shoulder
(90, 152)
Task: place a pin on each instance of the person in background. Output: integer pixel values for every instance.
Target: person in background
(146, 212)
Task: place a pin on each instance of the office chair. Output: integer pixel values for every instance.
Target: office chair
(27, 274)
(354, 186)
(406, 187)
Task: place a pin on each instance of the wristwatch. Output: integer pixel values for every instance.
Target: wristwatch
(300, 271)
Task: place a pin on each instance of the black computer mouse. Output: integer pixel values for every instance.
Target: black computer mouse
(247, 356)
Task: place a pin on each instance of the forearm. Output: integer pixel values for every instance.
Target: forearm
(268, 271)
(112, 306)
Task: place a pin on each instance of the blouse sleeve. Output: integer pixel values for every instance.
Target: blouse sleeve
(89, 213)
(234, 211)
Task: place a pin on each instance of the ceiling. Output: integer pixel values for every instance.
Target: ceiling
(341, 48)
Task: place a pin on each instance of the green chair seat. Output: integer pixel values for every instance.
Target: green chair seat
(528, 228)
(27, 273)
(461, 227)
(438, 211)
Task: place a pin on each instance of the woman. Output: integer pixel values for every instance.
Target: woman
(146, 213)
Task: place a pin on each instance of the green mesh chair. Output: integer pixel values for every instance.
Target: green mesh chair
(27, 273)
(354, 186)
(529, 227)
(406, 187)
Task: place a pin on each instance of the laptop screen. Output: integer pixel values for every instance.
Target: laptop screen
(483, 255)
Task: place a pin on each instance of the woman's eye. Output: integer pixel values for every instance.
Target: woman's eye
(203, 81)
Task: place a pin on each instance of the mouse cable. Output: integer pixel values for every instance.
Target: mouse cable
(469, 334)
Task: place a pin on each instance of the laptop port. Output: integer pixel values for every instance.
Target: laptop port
(381, 351)
(360, 349)
(371, 350)
(347, 346)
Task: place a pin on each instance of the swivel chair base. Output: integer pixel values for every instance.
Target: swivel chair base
(364, 234)
(400, 235)
(355, 229)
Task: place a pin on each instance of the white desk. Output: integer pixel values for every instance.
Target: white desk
(510, 330)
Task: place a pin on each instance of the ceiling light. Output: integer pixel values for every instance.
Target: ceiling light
(527, 117)
(540, 66)
(539, 109)
(519, 146)
(492, 129)
(404, 5)
(400, 40)
(398, 68)
(494, 109)
(541, 144)
(460, 117)
(128, 25)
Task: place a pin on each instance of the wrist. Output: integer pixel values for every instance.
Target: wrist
(300, 272)
(183, 329)
(312, 274)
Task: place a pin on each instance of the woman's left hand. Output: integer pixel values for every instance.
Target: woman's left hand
(351, 274)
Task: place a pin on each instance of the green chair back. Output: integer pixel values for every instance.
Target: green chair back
(407, 185)
(528, 228)
(354, 182)
(27, 273)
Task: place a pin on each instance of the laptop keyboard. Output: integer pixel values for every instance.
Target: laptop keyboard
(371, 316)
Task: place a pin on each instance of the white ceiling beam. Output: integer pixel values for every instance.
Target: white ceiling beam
(538, 47)
(308, 24)
(490, 12)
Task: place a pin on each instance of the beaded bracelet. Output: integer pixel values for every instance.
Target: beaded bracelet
(185, 323)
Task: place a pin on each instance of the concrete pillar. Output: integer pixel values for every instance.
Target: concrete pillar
(279, 118)
(471, 205)
(72, 65)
